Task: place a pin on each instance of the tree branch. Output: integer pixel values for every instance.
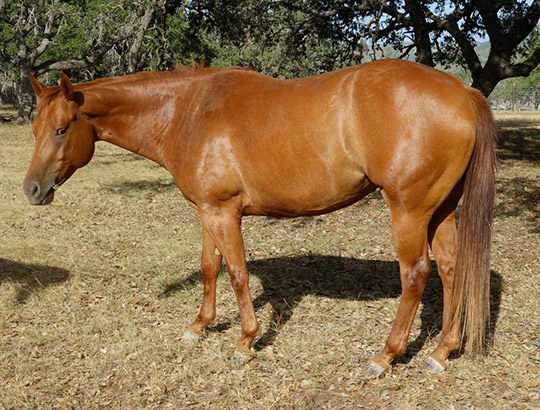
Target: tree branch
(146, 19)
(493, 25)
(421, 33)
(467, 49)
(406, 52)
(23, 24)
(524, 68)
(3, 15)
(521, 28)
(86, 62)
(45, 39)
(400, 17)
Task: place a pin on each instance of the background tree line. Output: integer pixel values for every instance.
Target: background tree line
(285, 38)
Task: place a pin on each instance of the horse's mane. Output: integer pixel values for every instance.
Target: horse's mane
(200, 68)
(179, 70)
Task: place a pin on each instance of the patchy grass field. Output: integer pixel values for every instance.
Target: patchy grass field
(97, 289)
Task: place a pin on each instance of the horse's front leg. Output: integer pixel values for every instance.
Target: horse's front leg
(210, 266)
(222, 225)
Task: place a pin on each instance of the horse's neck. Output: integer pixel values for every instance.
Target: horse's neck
(138, 120)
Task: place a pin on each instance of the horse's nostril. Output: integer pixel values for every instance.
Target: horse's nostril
(33, 189)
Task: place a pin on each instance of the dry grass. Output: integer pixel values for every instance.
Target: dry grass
(97, 288)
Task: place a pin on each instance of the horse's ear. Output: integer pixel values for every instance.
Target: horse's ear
(66, 86)
(39, 88)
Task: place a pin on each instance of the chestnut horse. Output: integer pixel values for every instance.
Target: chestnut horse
(240, 143)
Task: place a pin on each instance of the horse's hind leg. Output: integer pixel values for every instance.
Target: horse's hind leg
(442, 234)
(409, 235)
(210, 266)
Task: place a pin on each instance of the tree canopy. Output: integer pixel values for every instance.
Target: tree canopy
(286, 38)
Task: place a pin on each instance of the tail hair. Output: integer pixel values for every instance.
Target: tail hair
(471, 292)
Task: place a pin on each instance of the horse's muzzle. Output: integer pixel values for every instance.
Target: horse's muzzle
(38, 194)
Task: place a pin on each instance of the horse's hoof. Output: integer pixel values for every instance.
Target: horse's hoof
(241, 358)
(374, 371)
(432, 365)
(190, 337)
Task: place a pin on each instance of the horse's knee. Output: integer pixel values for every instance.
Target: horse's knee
(210, 266)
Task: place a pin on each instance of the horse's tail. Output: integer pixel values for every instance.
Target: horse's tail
(470, 300)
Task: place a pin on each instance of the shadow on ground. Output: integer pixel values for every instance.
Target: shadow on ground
(519, 197)
(30, 278)
(287, 280)
(519, 142)
(134, 188)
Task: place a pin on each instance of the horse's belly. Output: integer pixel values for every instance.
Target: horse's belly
(305, 197)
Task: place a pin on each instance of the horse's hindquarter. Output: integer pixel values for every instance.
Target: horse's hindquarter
(309, 146)
(417, 130)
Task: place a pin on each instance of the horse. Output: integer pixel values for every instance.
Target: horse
(239, 143)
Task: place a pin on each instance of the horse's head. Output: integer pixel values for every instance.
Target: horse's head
(64, 140)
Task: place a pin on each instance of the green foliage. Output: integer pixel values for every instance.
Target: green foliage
(282, 38)
(279, 39)
(275, 38)
(79, 27)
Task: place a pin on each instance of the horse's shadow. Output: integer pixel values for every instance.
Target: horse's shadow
(287, 280)
(30, 278)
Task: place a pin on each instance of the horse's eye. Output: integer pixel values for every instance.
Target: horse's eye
(61, 131)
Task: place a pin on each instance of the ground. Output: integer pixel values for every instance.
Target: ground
(97, 289)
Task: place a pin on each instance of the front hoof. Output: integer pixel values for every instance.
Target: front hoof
(190, 337)
(374, 371)
(241, 358)
(432, 365)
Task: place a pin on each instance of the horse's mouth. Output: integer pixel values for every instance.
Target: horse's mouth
(47, 199)
(44, 200)
(50, 194)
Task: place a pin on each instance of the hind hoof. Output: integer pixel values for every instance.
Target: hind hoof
(241, 358)
(190, 337)
(374, 371)
(432, 365)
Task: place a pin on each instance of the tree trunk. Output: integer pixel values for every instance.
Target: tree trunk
(138, 38)
(25, 96)
(486, 78)
(421, 33)
(484, 84)
(25, 92)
